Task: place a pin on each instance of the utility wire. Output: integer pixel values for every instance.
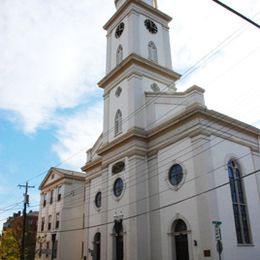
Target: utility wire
(219, 130)
(122, 206)
(165, 151)
(236, 64)
(180, 155)
(178, 152)
(158, 208)
(212, 53)
(178, 158)
(237, 13)
(63, 161)
(7, 208)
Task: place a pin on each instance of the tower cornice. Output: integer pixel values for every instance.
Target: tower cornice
(140, 62)
(141, 4)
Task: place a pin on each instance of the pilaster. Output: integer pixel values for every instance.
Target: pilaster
(202, 163)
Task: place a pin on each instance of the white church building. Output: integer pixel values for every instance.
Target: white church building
(168, 178)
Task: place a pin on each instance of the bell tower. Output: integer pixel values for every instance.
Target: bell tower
(138, 61)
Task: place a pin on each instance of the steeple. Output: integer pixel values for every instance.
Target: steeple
(138, 62)
(119, 3)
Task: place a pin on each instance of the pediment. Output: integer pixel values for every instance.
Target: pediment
(55, 174)
(52, 176)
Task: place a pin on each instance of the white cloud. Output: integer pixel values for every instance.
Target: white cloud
(78, 133)
(51, 55)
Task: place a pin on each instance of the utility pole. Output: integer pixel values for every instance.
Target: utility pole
(26, 202)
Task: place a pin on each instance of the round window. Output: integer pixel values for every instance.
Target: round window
(175, 174)
(118, 187)
(98, 200)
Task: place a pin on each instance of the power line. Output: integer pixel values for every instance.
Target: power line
(58, 164)
(236, 64)
(214, 51)
(219, 130)
(129, 169)
(183, 149)
(63, 161)
(10, 207)
(237, 13)
(149, 196)
(212, 171)
(178, 152)
(159, 208)
(188, 72)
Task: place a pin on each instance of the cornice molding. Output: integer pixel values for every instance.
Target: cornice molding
(62, 175)
(198, 109)
(134, 59)
(196, 113)
(61, 180)
(136, 133)
(138, 3)
(92, 164)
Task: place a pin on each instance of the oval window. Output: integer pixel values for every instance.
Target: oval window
(175, 174)
(98, 200)
(118, 187)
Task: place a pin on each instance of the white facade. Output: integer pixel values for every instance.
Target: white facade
(153, 132)
(61, 216)
(165, 167)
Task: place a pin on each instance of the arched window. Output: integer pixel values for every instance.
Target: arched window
(239, 203)
(118, 122)
(119, 54)
(152, 52)
(97, 243)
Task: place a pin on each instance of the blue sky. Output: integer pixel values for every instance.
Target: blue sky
(52, 54)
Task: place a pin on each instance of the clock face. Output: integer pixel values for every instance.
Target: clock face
(119, 30)
(150, 26)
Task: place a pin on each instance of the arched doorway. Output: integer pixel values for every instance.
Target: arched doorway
(97, 244)
(180, 240)
(118, 241)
